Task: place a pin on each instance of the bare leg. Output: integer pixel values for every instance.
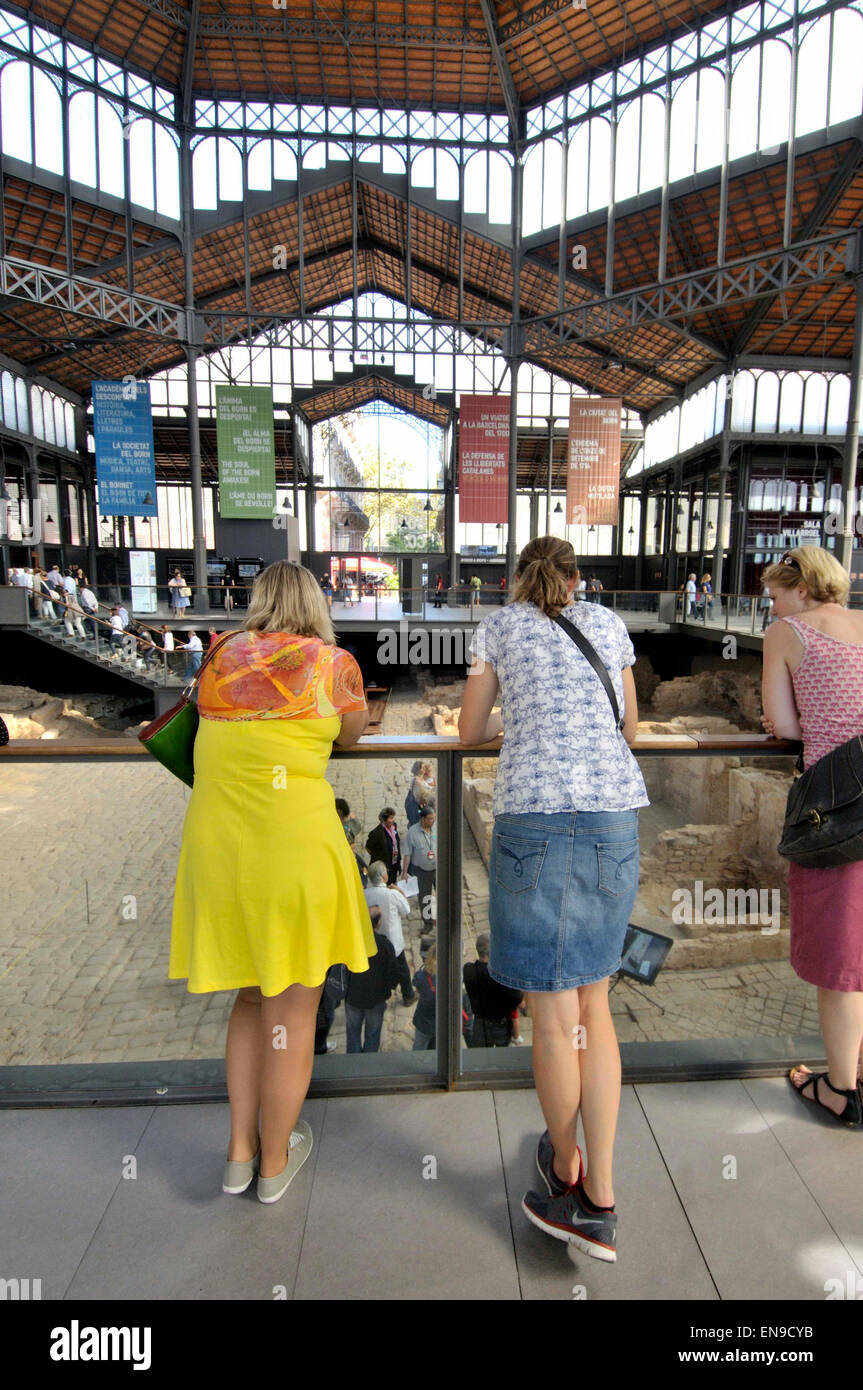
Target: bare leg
(557, 1072)
(288, 1046)
(600, 1090)
(841, 1014)
(243, 1066)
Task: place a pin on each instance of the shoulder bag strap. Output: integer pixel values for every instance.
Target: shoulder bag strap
(590, 653)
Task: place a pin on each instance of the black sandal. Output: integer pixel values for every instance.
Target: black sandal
(852, 1114)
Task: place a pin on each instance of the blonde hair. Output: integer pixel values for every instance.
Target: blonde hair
(431, 960)
(287, 598)
(816, 569)
(545, 569)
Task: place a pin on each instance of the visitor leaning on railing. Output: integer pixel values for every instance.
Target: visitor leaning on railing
(813, 689)
(268, 896)
(563, 871)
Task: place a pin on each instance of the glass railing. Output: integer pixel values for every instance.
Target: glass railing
(86, 1006)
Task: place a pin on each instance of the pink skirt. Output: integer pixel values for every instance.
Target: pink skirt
(826, 910)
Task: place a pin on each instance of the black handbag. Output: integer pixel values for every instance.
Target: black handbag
(589, 651)
(824, 812)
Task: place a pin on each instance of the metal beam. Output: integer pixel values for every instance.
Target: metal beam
(836, 187)
(339, 30)
(824, 259)
(73, 294)
(507, 85)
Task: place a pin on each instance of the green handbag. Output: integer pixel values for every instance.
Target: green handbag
(171, 737)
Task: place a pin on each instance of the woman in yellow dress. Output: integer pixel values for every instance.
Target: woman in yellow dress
(268, 896)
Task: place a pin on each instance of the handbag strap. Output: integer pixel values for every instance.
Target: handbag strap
(590, 653)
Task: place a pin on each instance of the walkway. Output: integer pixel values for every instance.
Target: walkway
(726, 1190)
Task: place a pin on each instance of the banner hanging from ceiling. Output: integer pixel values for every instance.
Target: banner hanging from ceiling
(125, 457)
(593, 461)
(483, 458)
(247, 452)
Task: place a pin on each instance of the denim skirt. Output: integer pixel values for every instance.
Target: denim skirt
(561, 889)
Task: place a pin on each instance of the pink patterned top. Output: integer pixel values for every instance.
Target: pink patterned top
(828, 690)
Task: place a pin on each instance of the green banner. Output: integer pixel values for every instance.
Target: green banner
(247, 451)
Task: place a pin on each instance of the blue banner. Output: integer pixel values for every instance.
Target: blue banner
(125, 457)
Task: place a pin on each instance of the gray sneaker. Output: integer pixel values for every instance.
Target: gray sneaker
(566, 1218)
(239, 1175)
(271, 1189)
(545, 1165)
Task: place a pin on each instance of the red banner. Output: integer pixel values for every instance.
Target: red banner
(593, 461)
(483, 457)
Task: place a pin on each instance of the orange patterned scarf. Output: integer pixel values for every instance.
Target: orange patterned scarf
(275, 675)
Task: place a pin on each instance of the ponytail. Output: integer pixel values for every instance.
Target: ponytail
(545, 569)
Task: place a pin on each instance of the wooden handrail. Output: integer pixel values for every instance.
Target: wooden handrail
(400, 744)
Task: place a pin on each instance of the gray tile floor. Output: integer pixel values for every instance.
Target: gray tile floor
(725, 1190)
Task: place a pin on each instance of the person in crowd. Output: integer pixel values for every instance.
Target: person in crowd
(422, 790)
(393, 907)
(412, 805)
(350, 823)
(124, 615)
(439, 591)
(73, 616)
(563, 870)
(194, 650)
(349, 591)
(581, 588)
(116, 624)
(425, 1013)
(268, 896)
(689, 593)
(419, 857)
(227, 595)
(594, 589)
(384, 843)
(327, 587)
(179, 593)
(149, 648)
(502, 591)
(493, 1005)
(50, 596)
(362, 867)
(90, 607)
(70, 584)
(705, 594)
(166, 637)
(212, 636)
(475, 593)
(55, 578)
(368, 992)
(812, 689)
(83, 581)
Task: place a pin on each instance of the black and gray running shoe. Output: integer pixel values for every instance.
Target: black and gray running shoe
(545, 1165)
(566, 1218)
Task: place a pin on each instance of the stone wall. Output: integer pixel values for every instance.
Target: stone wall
(30, 713)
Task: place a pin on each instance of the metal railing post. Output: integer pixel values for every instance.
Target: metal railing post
(449, 914)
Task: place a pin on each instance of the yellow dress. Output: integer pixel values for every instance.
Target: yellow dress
(268, 892)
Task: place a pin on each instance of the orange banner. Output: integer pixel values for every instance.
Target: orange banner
(593, 460)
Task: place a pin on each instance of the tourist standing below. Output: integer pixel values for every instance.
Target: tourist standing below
(393, 907)
(689, 592)
(179, 594)
(419, 857)
(475, 593)
(706, 596)
(268, 896)
(194, 650)
(384, 843)
(425, 1013)
(493, 1005)
(563, 870)
(368, 992)
(812, 689)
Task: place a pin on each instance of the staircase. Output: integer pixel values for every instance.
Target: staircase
(153, 679)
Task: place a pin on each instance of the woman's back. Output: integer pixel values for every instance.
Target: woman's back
(562, 750)
(828, 678)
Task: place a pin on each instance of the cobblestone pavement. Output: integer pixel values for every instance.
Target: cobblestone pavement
(90, 853)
